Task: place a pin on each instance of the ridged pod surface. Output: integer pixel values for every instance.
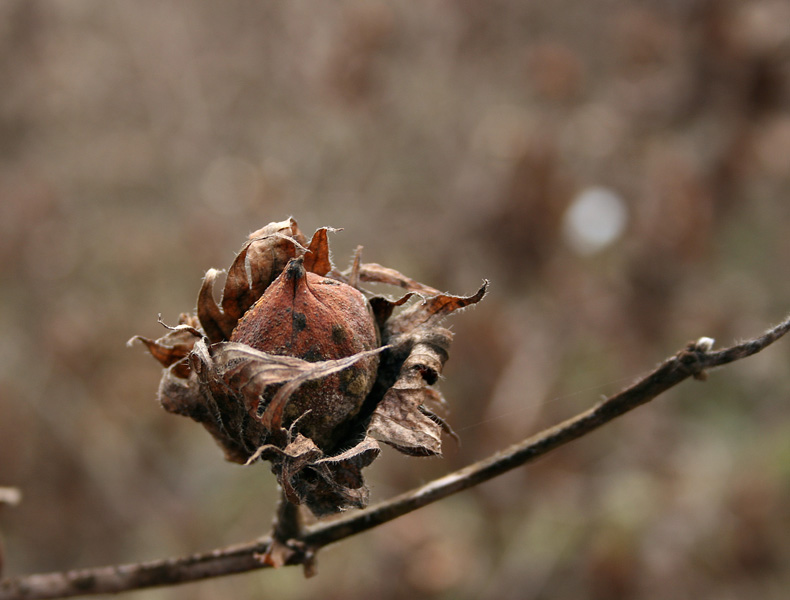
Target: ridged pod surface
(315, 318)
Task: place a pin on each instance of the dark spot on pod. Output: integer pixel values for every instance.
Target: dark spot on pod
(313, 355)
(299, 321)
(338, 334)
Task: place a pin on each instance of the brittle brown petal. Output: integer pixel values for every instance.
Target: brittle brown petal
(383, 307)
(258, 263)
(403, 418)
(182, 396)
(238, 287)
(175, 345)
(164, 353)
(260, 260)
(268, 251)
(272, 416)
(325, 484)
(239, 367)
(399, 422)
(213, 320)
(432, 310)
(342, 485)
(317, 259)
(375, 273)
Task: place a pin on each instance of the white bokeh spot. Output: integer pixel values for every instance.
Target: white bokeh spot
(594, 220)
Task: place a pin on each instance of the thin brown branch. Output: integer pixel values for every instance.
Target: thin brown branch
(692, 361)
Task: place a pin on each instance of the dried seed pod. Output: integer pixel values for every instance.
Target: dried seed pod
(280, 369)
(314, 318)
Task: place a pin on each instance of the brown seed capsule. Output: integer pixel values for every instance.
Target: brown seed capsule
(314, 318)
(280, 368)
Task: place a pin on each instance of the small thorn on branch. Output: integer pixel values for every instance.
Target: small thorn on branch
(692, 357)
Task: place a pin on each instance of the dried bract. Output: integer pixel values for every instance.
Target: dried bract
(299, 366)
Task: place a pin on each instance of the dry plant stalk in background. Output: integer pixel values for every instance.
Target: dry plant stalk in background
(299, 366)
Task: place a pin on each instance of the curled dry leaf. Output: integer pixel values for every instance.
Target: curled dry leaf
(299, 366)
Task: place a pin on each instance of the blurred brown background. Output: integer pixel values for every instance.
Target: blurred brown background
(141, 142)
